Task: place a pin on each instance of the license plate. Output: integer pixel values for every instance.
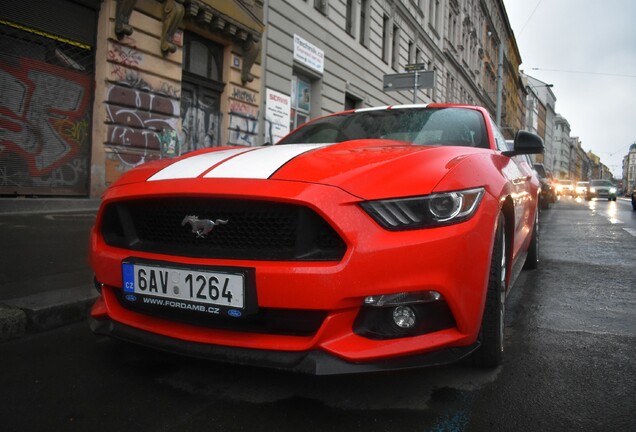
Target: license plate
(183, 284)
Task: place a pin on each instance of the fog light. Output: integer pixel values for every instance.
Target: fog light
(404, 317)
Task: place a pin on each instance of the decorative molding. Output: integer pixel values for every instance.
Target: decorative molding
(173, 13)
(122, 16)
(251, 49)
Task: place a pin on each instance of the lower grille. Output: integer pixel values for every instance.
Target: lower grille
(261, 230)
(289, 322)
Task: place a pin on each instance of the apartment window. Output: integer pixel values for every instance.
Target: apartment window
(364, 12)
(434, 13)
(450, 88)
(349, 18)
(395, 51)
(322, 6)
(410, 52)
(352, 102)
(385, 38)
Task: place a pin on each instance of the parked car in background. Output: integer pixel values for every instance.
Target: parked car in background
(372, 239)
(565, 187)
(581, 189)
(548, 191)
(601, 188)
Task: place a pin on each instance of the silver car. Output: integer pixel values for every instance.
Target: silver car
(602, 189)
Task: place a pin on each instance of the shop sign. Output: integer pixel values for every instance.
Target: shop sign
(309, 54)
(277, 116)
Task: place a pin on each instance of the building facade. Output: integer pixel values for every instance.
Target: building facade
(96, 87)
(629, 170)
(562, 147)
(324, 56)
(93, 88)
(540, 116)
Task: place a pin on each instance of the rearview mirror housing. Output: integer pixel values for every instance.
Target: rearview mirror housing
(526, 143)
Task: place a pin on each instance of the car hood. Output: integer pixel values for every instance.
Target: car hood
(365, 168)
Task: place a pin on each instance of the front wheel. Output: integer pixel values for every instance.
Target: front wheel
(491, 334)
(532, 260)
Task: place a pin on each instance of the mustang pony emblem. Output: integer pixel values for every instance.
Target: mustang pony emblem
(202, 227)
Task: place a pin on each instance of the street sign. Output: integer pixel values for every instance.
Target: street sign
(402, 81)
(415, 67)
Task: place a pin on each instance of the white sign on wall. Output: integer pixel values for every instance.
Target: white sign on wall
(309, 54)
(277, 116)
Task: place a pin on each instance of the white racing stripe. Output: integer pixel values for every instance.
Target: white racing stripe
(260, 163)
(196, 165)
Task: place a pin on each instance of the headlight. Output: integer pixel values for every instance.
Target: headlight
(613, 190)
(593, 190)
(425, 211)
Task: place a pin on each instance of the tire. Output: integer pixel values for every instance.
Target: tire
(491, 334)
(532, 260)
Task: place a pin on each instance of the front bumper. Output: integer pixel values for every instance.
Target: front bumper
(451, 260)
(313, 362)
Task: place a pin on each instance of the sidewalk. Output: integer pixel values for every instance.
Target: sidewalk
(46, 238)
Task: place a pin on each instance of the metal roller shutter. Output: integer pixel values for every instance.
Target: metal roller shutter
(47, 62)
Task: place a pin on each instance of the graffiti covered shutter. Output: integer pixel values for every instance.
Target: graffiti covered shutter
(46, 75)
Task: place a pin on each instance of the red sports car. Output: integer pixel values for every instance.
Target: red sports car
(367, 240)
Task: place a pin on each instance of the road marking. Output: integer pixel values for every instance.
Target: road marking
(632, 231)
(71, 216)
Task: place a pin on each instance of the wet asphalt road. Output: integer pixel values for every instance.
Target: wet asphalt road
(570, 363)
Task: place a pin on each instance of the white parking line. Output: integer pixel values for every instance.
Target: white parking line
(632, 231)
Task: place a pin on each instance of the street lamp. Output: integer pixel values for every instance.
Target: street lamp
(539, 86)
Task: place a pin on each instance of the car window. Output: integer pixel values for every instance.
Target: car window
(540, 169)
(502, 144)
(601, 183)
(425, 126)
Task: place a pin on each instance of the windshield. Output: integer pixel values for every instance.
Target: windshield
(423, 126)
(602, 183)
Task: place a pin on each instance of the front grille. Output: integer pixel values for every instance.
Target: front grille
(255, 230)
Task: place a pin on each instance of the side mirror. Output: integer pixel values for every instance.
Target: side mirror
(526, 143)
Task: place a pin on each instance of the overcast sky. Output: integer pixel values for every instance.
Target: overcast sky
(587, 49)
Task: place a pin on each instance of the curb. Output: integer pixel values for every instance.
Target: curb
(44, 311)
(14, 206)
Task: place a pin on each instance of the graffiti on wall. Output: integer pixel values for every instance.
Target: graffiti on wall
(125, 61)
(199, 119)
(243, 123)
(137, 122)
(44, 125)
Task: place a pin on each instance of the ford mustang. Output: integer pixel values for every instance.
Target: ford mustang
(368, 240)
